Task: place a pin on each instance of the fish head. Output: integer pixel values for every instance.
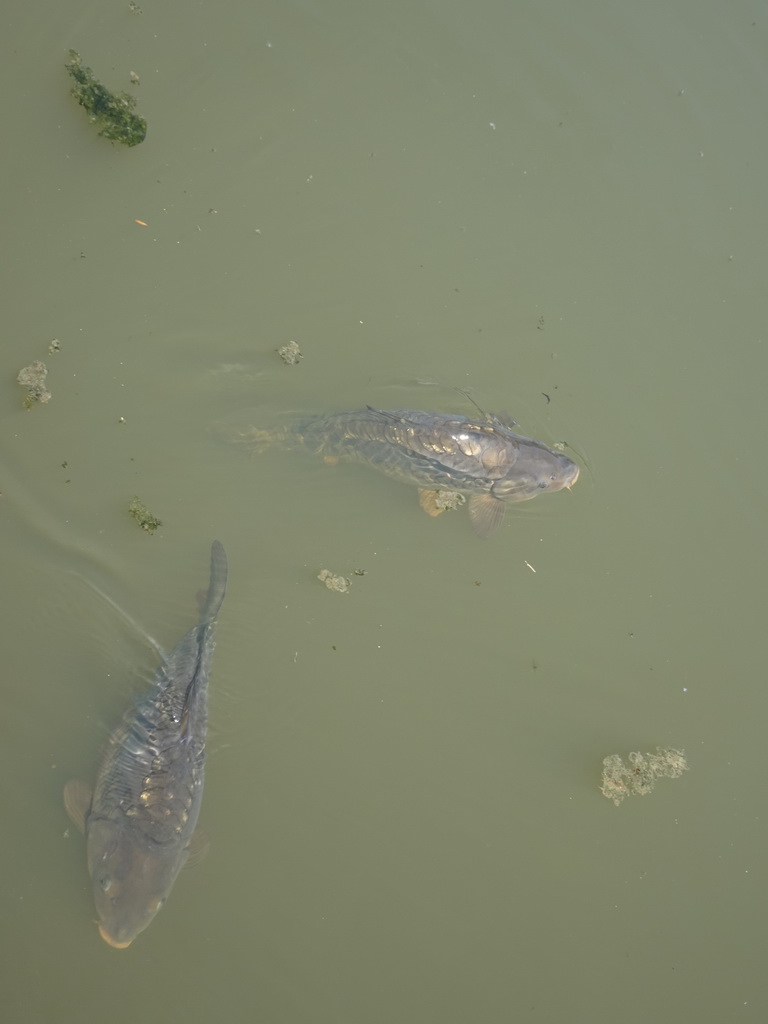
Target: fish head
(536, 469)
(130, 880)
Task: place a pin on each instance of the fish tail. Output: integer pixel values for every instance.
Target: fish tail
(217, 586)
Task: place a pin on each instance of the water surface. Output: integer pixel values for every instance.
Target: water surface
(560, 208)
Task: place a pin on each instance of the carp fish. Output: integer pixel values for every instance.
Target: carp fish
(140, 817)
(481, 459)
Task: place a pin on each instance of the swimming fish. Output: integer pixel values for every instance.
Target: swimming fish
(140, 818)
(480, 458)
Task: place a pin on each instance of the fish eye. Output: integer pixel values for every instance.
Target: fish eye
(105, 882)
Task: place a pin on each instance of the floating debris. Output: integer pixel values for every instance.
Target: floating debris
(436, 502)
(640, 775)
(112, 113)
(32, 378)
(290, 353)
(446, 500)
(55, 346)
(143, 516)
(338, 583)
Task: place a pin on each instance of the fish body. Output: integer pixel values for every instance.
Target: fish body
(481, 458)
(140, 819)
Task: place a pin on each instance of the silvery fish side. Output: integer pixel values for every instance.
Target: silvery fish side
(481, 458)
(140, 818)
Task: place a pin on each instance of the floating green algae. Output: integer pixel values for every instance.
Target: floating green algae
(112, 113)
(143, 516)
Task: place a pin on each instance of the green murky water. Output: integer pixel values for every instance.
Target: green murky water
(560, 208)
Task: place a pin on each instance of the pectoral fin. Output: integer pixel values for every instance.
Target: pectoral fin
(485, 514)
(77, 801)
(199, 845)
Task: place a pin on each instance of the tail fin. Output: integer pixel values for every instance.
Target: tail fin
(217, 587)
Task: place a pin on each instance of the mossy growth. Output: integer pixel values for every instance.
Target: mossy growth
(112, 113)
(143, 516)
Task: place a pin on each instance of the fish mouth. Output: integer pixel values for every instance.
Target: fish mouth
(572, 477)
(113, 942)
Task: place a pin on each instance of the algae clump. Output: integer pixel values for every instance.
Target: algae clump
(290, 353)
(639, 777)
(338, 583)
(32, 378)
(143, 516)
(112, 113)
